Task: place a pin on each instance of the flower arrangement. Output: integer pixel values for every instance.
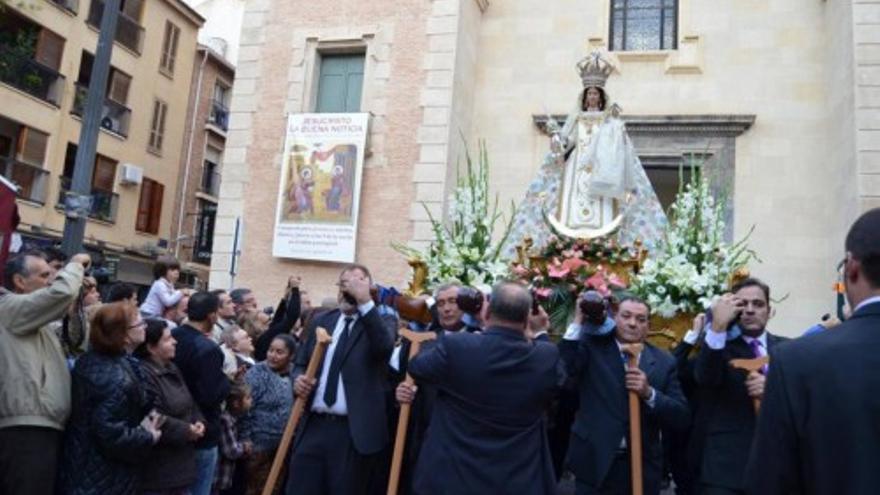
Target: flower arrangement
(463, 249)
(693, 263)
(569, 267)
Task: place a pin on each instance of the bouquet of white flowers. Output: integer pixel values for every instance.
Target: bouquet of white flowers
(463, 249)
(693, 263)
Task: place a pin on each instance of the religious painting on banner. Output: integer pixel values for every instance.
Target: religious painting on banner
(319, 191)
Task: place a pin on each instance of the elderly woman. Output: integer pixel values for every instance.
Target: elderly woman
(238, 345)
(111, 428)
(272, 392)
(171, 469)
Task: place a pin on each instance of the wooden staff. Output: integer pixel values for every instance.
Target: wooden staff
(751, 365)
(415, 339)
(635, 423)
(322, 340)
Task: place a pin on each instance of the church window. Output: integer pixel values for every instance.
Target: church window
(340, 83)
(640, 25)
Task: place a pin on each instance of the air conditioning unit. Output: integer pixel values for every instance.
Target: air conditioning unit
(132, 175)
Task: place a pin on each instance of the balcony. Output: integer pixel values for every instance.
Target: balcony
(210, 184)
(71, 6)
(219, 115)
(129, 33)
(115, 117)
(104, 203)
(30, 76)
(31, 179)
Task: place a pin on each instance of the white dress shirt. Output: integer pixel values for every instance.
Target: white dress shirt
(340, 408)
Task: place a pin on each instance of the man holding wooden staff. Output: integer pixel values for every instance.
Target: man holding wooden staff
(338, 447)
(725, 421)
(487, 428)
(599, 450)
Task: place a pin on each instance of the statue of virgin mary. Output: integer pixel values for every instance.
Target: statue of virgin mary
(591, 184)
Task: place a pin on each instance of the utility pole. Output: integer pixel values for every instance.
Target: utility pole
(78, 200)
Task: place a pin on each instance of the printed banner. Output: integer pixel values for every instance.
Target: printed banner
(319, 193)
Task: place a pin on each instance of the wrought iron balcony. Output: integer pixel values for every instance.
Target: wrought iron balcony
(105, 204)
(129, 33)
(30, 76)
(31, 179)
(210, 182)
(219, 115)
(115, 117)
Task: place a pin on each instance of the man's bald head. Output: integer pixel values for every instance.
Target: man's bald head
(510, 305)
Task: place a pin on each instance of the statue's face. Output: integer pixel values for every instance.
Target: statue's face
(594, 98)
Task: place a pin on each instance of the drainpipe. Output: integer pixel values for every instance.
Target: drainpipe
(189, 150)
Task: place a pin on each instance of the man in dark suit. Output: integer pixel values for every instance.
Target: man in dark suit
(725, 421)
(487, 429)
(201, 363)
(598, 452)
(819, 427)
(337, 447)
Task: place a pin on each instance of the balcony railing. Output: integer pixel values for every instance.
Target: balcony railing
(104, 203)
(129, 33)
(219, 115)
(115, 117)
(30, 76)
(31, 179)
(69, 5)
(210, 182)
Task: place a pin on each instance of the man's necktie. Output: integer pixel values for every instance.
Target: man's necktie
(755, 344)
(335, 366)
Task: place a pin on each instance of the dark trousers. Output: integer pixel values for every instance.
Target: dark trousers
(718, 490)
(325, 462)
(29, 460)
(618, 481)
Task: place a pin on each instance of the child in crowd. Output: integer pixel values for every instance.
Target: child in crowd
(231, 477)
(166, 272)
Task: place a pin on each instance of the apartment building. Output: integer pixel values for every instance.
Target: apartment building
(47, 51)
(207, 121)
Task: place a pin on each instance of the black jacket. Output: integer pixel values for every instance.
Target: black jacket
(596, 370)
(285, 317)
(173, 462)
(200, 361)
(364, 375)
(104, 444)
(487, 432)
(725, 421)
(819, 426)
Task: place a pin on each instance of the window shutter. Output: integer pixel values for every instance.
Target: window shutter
(50, 48)
(119, 85)
(156, 207)
(143, 212)
(105, 174)
(32, 146)
(340, 83)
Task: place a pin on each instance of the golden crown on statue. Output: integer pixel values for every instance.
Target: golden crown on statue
(594, 70)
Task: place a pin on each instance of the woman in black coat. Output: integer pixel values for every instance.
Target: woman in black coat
(111, 427)
(171, 468)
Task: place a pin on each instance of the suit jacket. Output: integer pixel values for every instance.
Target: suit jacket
(819, 426)
(200, 361)
(596, 370)
(725, 421)
(364, 375)
(487, 429)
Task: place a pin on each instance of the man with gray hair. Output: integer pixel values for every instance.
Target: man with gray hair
(492, 391)
(34, 380)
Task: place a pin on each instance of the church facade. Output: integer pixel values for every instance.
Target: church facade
(780, 102)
